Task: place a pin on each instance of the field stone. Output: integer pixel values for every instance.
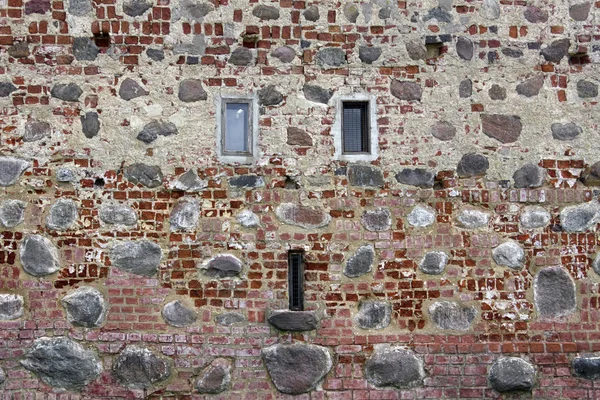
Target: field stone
(12, 213)
(222, 266)
(130, 90)
(567, 131)
(418, 177)
(464, 48)
(465, 88)
(311, 13)
(531, 87)
(556, 50)
(535, 15)
(533, 217)
(317, 94)
(117, 215)
(472, 164)
(585, 89)
(139, 368)
(230, 318)
(154, 129)
(266, 13)
(303, 216)
(497, 92)
(190, 182)
(156, 54)
(490, 9)
(296, 321)
(194, 10)
(470, 218)
(434, 262)
(509, 254)
(269, 96)
(248, 219)
(361, 262)
(135, 8)
(85, 307)
(376, 220)
(439, 14)
(529, 176)
(11, 306)
(421, 216)
(331, 56)
(394, 366)
(61, 362)
(79, 8)
(369, 54)
(296, 368)
(90, 124)
(63, 213)
(147, 175)
(365, 176)
(285, 54)
(20, 50)
(405, 90)
(512, 52)
(140, 257)
(554, 293)
(197, 46)
(298, 137)
(509, 374)
(443, 130)
(39, 257)
(191, 90)
(580, 12)
(581, 217)
(449, 315)
(66, 91)
(351, 12)
(241, 56)
(504, 128)
(6, 88)
(37, 7)
(175, 313)
(384, 13)
(373, 314)
(586, 366)
(216, 378)
(416, 49)
(185, 214)
(36, 130)
(85, 49)
(65, 175)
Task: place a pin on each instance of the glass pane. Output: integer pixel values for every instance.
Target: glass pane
(353, 129)
(236, 127)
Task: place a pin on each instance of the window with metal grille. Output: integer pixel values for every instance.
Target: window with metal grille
(355, 127)
(236, 135)
(296, 280)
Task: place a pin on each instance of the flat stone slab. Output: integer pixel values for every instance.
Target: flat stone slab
(373, 314)
(303, 216)
(11, 306)
(175, 313)
(140, 257)
(61, 362)
(287, 320)
(190, 182)
(139, 368)
(554, 293)
(393, 366)
(510, 374)
(449, 315)
(147, 175)
(39, 257)
(365, 176)
(230, 318)
(418, 177)
(85, 307)
(222, 266)
(296, 368)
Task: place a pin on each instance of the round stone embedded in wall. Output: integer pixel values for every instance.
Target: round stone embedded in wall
(373, 314)
(555, 52)
(509, 254)
(185, 214)
(581, 217)
(529, 176)
(85, 307)
(139, 368)
(361, 262)
(587, 366)
(565, 131)
(11, 306)
(90, 124)
(303, 216)
(533, 217)
(11, 169)
(140, 257)
(147, 175)
(434, 263)
(504, 128)
(394, 366)
(421, 216)
(36, 130)
(177, 314)
(531, 87)
(510, 374)
(470, 218)
(66, 91)
(377, 220)
(472, 164)
(406, 90)
(248, 219)
(443, 130)
(130, 90)
(418, 177)
(449, 315)
(222, 266)
(62, 215)
(190, 182)
(12, 213)
(191, 90)
(287, 320)
(216, 378)
(117, 215)
(39, 257)
(554, 293)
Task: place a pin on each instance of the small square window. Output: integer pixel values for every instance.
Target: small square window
(237, 130)
(355, 127)
(355, 133)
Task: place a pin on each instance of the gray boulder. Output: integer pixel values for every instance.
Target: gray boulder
(533, 217)
(361, 262)
(529, 176)
(394, 366)
(154, 129)
(84, 49)
(317, 94)
(269, 96)
(585, 89)
(296, 368)
(117, 215)
(147, 175)
(230, 318)
(434, 263)
(464, 48)
(311, 13)
(194, 10)
(377, 220)
(442, 130)
(11, 169)
(36, 130)
(175, 313)
(373, 314)
(509, 374)
(331, 56)
(416, 49)
(556, 50)
(421, 216)
(286, 320)
(135, 8)
(449, 315)
(580, 12)
(130, 90)
(85, 307)
(535, 15)
(351, 12)
(62, 363)
(470, 218)
(39, 257)
(12, 213)
(490, 9)
(156, 54)
(285, 54)
(509, 254)
(140, 257)
(418, 177)
(265, 13)
(90, 124)
(216, 378)
(369, 54)
(139, 368)
(6, 88)
(586, 366)
(566, 131)
(247, 181)
(80, 7)
(531, 87)
(66, 92)
(191, 90)
(185, 214)
(248, 219)
(303, 216)
(580, 218)
(365, 176)
(554, 293)
(504, 128)
(65, 175)
(62, 215)
(472, 164)
(190, 182)
(497, 92)
(298, 137)
(241, 56)
(11, 306)
(405, 90)
(465, 88)
(222, 266)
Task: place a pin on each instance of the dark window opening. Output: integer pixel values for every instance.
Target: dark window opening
(296, 280)
(102, 39)
(99, 183)
(355, 127)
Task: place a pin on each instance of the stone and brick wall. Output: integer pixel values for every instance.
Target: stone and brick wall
(461, 263)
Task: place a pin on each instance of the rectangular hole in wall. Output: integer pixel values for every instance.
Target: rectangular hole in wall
(296, 280)
(355, 127)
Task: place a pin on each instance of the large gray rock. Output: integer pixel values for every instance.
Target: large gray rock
(62, 215)
(405, 90)
(373, 314)
(61, 362)
(377, 220)
(130, 90)
(11, 169)
(194, 10)
(222, 266)
(585, 89)
(490, 9)
(416, 49)
(248, 219)
(586, 366)
(434, 263)
(90, 124)
(85, 307)
(533, 217)
(241, 56)
(581, 217)
(497, 92)
(185, 214)
(230, 318)
(580, 12)
(418, 177)
(79, 7)
(361, 262)
(509, 254)
(66, 91)
(36, 130)
(139, 368)
(296, 368)
(66, 175)
(191, 90)
(147, 175)
(269, 96)
(421, 216)
(566, 131)
(247, 181)
(554, 293)
(266, 13)
(470, 218)
(175, 313)
(39, 257)
(12, 213)
(365, 176)
(154, 129)
(504, 128)
(311, 13)
(509, 374)
(135, 8)
(286, 320)
(351, 12)
(529, 176)
(298, 137)
(117, 215)
(556, 50)
(449, 315)
(442, 130)
(216, 378)
(464, 48)
(196, 47)
(140, 257)
(156, 54)
(6, 88)
(472, 164)
(11, 306)
(438, 13)
(190, 182)
(465, 88)
(85, 49)
(303, 216)
(369, 54)
(317, 94)
(285, 54)
(331, 56)
(535, 15)
(394, 366)
(531, 87)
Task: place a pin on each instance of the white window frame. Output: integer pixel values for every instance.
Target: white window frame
(240, 158)
(337, 131)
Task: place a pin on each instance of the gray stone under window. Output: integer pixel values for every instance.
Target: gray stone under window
(237, 129)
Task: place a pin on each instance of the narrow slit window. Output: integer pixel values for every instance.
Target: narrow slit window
(296, 280)
(355, 127)
(237, 135)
